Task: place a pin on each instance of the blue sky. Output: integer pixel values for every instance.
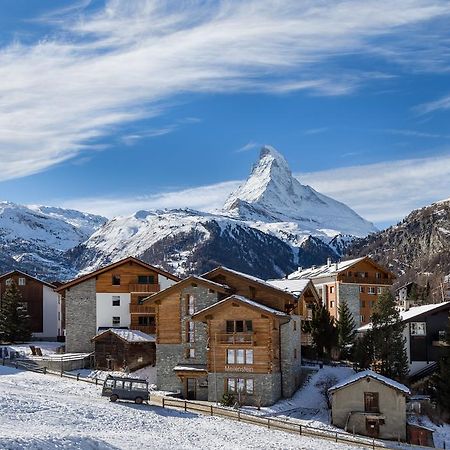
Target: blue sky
(116, 106)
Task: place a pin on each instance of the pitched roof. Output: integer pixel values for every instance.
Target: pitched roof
(245, 301)
(114, 265)
(371, 374)
(296, 287)
(414, 313)
(180, 284)
(12, 272)
(329, 270)
(250, 278)
(132, 336)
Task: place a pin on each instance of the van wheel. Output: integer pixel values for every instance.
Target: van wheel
(138, 400)
(113, 398)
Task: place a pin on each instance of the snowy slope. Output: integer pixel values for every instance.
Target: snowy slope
(34, 238)
(45, 412)
(273, 195)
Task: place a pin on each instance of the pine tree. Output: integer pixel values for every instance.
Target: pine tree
(363, 352)
(440, 380)
(346, 330)
(389, 353)
(14, 320)
(323, 331)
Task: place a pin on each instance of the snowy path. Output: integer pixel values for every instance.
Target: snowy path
(45, 412)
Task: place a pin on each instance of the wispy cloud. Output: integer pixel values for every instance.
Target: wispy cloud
(415, 133)
(315, 131)
(251, 145)
(100, 69)
(435, 105)
(383, 192)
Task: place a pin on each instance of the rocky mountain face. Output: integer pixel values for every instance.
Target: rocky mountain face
(417, 248)
(268, 227)
(35, 239)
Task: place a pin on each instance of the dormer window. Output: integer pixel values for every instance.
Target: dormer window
(22, 281)
(115, 280)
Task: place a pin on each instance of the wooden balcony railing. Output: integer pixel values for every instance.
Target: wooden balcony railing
(365, 280)
(143, 309)
(145, 329)
(235, 338)
(144, 288)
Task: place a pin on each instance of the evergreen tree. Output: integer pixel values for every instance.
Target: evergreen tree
(346, 330)
(389, 353)
(323, 331)
(363, 352)
(14, 320)
(440, 380)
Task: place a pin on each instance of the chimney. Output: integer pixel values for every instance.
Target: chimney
(329, 262)
(337, 265)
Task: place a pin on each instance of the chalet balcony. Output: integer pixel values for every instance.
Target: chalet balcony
(235, 338)
(142, 309)
(143, 288)
(150, 329)
(366, 280)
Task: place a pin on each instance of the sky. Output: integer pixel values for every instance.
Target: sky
(115, 106)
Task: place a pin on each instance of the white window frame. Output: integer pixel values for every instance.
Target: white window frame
(240, 356)
(22, 281)
(8, 282)
(190, 304)
(116, 324)
(379, 290)
(418, 328)
(115, 298)
(371, 290)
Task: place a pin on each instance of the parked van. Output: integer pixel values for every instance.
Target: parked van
(125, 388)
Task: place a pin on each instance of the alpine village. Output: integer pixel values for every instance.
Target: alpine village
(340, 335)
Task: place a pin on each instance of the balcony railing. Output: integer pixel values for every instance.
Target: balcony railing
(148, 329)
(143, 288)
(365, 280)
(142, 309)
(235, 338)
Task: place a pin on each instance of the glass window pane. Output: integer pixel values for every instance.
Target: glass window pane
(240, 384)
(249, 387)
(249, 325)
(239, 326)
(230, 356)
(230, 326)
(231, 385)
(240, 356)
(249, 356)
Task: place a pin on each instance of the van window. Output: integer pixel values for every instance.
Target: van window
(139, 386)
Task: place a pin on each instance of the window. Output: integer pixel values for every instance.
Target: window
(8, 282)
(362, 319)
(350, 273)
(371, 402)
(331, 304)
(442, 336)
(331, 289)
(190, 331)
(239, 326)
(378, 275)
(22, 281)
(242, 385)
(116, 300)
(190, 304)
(239, 356)
(371, 290)
(295, 325)
(295, 353)
(418, 328)
(190, 353)
(361, 289)
(23, 306)
(115, 280)
(379, 290)
(146, 279)
(146, 321)
(362, 274)
(116, 321)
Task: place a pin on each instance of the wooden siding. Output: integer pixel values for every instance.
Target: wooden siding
(168, 320)
(368, 268)
(128, 273)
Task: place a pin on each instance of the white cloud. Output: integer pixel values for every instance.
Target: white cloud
(382, 193)
(99, 70)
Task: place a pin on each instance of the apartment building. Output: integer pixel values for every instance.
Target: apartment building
(228, 332)
(111, 297)
(39, 300)
(357, 281)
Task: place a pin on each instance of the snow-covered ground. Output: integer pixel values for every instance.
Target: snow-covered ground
(45, 412)
(47, 347)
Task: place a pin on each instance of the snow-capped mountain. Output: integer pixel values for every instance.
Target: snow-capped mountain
(35, 238)
(273, 195)
(270, 224)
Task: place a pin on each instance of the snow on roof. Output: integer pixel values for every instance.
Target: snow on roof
(130, 335)
(190, 368)
(245, 275)
(325, 270)
(371, 374)
(411, 313)
(293, 286)
(248, 302)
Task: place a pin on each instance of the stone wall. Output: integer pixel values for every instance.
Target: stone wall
(291, 360)
(350, 294)
(167, 357)
(81, 317)
(267, 387)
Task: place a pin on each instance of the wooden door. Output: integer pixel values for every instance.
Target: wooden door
(372, 428)
(191, 391)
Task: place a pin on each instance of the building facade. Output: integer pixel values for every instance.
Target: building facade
(40, 301)
(358, 282)
(370, 404)
(226, 332)
(111, 297)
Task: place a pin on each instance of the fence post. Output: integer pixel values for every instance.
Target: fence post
(239, 415)
(17, 365)
(211, 406)
(336, 437)
(163, 402)
(185, 405)
(44, 370)
(96, 381)
(300, 429)
(78, 377)
(373, 443)
(268, 422)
